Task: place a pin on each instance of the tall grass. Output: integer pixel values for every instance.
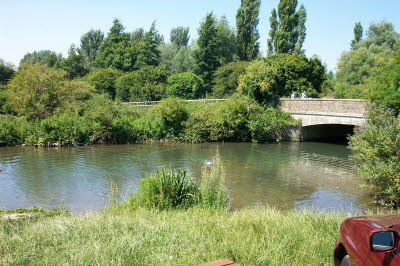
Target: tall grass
(167, 189)
(212, 189)
(259, 236)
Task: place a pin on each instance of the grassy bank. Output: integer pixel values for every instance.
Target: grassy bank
(259, 236)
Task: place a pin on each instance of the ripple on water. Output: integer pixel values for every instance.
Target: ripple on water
(289, 175)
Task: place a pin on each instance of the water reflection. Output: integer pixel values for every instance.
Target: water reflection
(288, 175)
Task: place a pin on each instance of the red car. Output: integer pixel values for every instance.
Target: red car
(369, 240)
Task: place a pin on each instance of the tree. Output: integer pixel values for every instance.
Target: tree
(145, 84)
(183, 61)
(226, 36)
(37, 91)
(6, 71)
(247, 33)
(104, 80)
(381, 34)
(74, 64)
(358, 34)
(148, 53)
(185, 85)
(44, 57)
(180, 36)
(90, 46)
(115, 51)
(282, 74)
(226, 78)
(288, 30)
(206, 55)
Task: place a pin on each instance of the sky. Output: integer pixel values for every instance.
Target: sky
(33, 25)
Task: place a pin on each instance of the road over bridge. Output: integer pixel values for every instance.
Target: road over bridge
(326, 118)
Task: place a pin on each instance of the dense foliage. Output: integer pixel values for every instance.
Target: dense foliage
(185, 85)
(146, 84)
(97, 119)
(376, 154)
(6, 71)
(288, 30)
(282, 74)
(44, 57)
(37, 91)
(226, 78)
(247, 19)
(370, 69)
(206, 55)
(103, 80)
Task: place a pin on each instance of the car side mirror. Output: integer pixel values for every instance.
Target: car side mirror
(383, 241)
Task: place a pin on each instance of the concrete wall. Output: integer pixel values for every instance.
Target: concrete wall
(342, 106)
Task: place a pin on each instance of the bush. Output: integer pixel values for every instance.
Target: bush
(173, 113)
(212, 189)
(11, 130)
(269, 125)
(38, 91)
(186, 85)
(282, 74)
(103, 80)
(167, 189)
(145, 84)
(64, 129)
(376, 154)
(226, 79)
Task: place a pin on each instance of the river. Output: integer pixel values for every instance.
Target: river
(286, 175)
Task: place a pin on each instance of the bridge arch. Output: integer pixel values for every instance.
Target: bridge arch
(326, 119)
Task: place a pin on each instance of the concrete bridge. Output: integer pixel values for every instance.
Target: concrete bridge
(332, 119)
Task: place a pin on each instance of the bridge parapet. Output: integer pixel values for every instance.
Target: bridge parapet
(339, 106)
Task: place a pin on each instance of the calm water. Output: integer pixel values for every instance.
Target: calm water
(288, 175)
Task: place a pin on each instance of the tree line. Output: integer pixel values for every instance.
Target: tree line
(141, 65)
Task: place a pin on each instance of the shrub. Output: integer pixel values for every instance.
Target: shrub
(271, 124)
(186, 85)
(65, 129)
(282, 74)
(226, 78)
(376, 155)
(38, 91)
(167, 189)
(99, 113)
(213, 191)
(11, 130)
(145, 84)
(224, 121)
(103, 80)
(173, 113)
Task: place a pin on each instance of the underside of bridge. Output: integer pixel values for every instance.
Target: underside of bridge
(333, 133)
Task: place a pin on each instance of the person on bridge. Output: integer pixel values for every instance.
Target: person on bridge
(293, 96)
(304, 95)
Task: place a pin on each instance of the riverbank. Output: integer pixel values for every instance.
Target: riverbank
(100, 120)
(260, 236)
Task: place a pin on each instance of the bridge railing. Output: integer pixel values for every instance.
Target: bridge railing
(153, 103)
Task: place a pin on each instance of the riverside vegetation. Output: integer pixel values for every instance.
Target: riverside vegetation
(171, 220)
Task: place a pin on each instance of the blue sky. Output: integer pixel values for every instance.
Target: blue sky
(27, 25)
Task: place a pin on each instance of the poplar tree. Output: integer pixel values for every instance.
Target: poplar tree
(358, 34)
(288, 30)
(247, 32)
(206, 55)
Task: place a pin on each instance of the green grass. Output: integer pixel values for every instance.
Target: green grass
(120, 235)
